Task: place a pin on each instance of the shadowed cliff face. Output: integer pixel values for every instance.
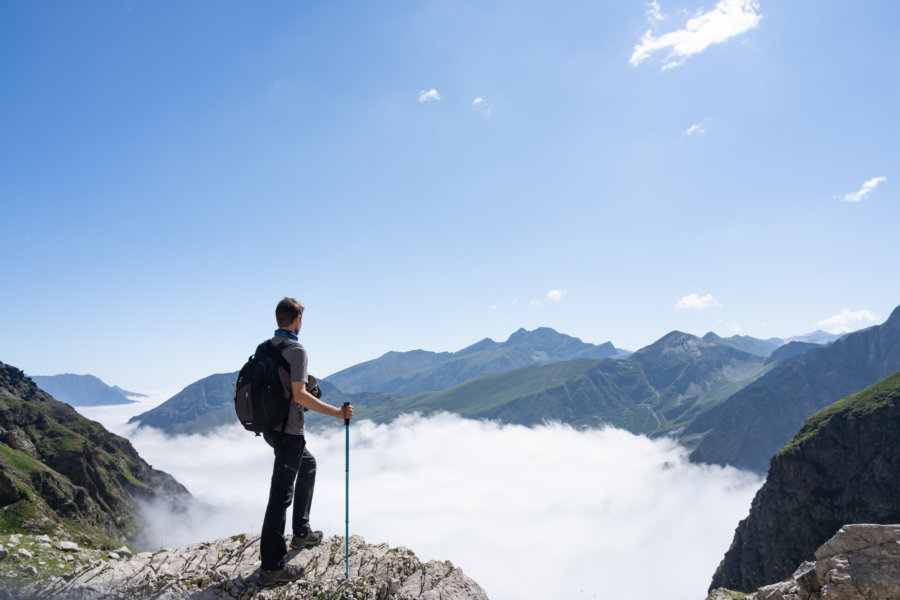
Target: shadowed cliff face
(62, 473)
(842, 467)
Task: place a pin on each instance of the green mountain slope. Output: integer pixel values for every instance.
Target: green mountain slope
(748, 429)
(80, 390)
(656, 390)
(841, 467)
(63, 474)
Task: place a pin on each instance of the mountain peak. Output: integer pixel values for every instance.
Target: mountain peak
(895, 317)
(541, 332)
(675, 339)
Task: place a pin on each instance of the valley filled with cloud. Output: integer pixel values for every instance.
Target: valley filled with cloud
(544, 512)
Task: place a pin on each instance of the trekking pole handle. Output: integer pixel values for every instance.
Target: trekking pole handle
(346, 421)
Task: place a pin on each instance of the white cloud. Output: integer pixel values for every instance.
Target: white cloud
(863, 192)
(536, 303)
(698, 302)
(642, 503)
(515, 301)
(654, 14)
(556, 295)
(493, 307)
(483, 107)
(695, 128)
(430, 95)
(728, 19)
(847, 321)
(736, 328)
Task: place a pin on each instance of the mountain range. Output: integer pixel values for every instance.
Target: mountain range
(731, 400)
(409, 373)
(82, 390)
(655, 390)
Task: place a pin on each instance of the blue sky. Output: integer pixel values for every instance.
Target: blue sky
(424, 174)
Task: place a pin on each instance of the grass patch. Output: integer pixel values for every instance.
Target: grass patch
(19, 460)
(12, 516)
(884, 394)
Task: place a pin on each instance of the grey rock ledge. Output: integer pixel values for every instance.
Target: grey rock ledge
(229, 569)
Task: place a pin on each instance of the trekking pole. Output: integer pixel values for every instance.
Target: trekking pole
(347, 498)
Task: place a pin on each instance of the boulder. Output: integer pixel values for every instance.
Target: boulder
(861, 562)
(66, 546)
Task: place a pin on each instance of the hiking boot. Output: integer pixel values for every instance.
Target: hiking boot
(286, 574)
(313, 538)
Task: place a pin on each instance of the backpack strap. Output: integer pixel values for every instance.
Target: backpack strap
(279, 356)
(277, 350)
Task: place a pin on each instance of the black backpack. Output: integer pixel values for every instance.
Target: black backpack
(260, 400)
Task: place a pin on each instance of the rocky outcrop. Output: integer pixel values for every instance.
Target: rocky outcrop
(842, 467)
(861, 562)
(229, 568)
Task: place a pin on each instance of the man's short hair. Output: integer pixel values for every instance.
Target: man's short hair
(287, 310)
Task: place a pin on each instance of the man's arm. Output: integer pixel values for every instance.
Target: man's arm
(307, 400)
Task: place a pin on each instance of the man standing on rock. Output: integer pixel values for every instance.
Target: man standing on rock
(294, 472)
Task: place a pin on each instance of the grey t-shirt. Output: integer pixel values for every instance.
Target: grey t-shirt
(295, 354)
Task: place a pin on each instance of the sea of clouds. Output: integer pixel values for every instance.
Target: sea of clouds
(544, 512)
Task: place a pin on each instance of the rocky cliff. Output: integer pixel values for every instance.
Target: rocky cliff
(861, 562)
(63, 474)
(842, 467)
(229, 568)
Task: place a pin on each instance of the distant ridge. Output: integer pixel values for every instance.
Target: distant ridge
(750, 427)
(408, 373)
(746, 343)
(82, 390)
(127, 393)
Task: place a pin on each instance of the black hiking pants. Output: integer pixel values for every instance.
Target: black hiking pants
(293, 479)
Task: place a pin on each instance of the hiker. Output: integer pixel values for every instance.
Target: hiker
(294, 471)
